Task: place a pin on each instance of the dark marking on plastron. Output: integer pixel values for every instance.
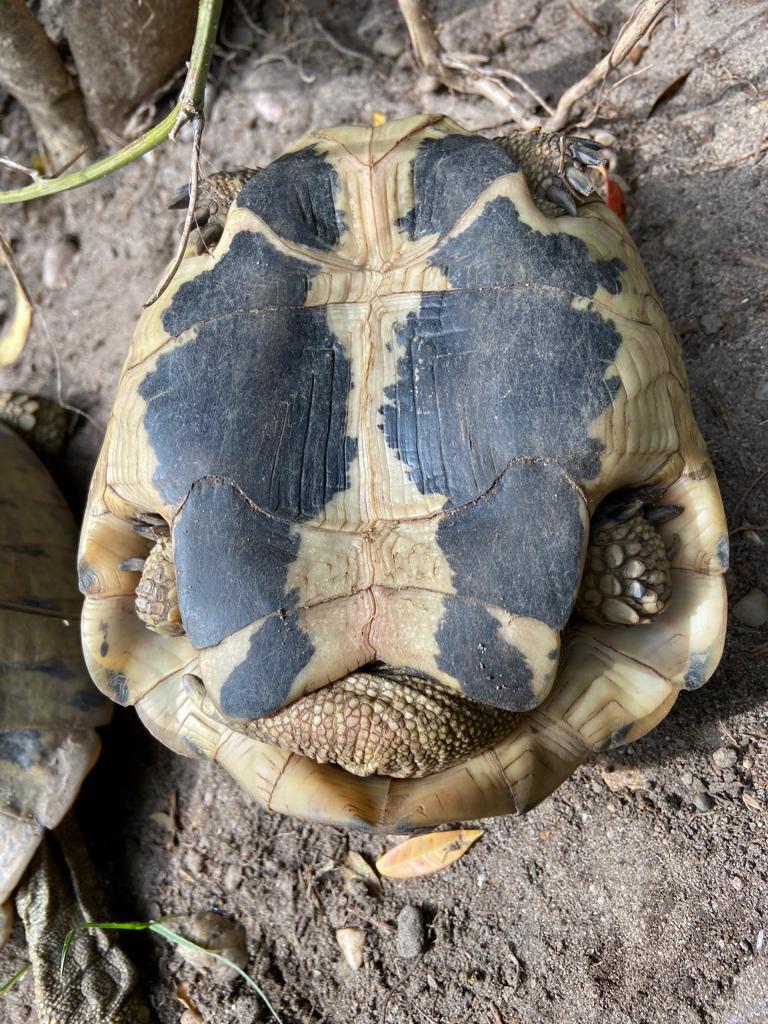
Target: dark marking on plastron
(259, 396)
(22, 747)
(103, 649)
(520, 546)
(489, 375)
(296, 196)
(723, 551)
(251, 274)
(499, 250)
(449, 173)
(231, 562)
(618, 736)
(261, 684)
(118, 685)
(697, 672)
(473, 651)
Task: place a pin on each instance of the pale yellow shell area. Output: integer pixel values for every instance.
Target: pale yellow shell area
(48, 706)
(612, 684)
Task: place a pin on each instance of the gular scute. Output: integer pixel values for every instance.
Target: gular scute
(261, 683)
(291, 380)
(484, 377)
(296, 197)
(448, 174)
(473, 651)
(231, 561)
(531, 526)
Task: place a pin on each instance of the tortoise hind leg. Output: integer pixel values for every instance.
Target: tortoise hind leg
(215, 195)
(627, 577)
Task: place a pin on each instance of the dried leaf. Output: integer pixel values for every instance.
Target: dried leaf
(360, 867)
(751, 802)
(14, 337)
(423, 855)
(620, 779)
(378, 119)
(183, 996)
(163, 819)
(669, 91)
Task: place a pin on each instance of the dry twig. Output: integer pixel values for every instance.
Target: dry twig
(464, 78)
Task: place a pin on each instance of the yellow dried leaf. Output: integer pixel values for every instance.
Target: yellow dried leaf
(14, 337)
(378, 119)
(360, 867)
(423, 855)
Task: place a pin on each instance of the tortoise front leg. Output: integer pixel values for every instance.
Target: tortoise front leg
(555, 167)
(42, 422)
(215, 195)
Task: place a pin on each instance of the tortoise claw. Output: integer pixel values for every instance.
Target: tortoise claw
(659, 514)
(557, 195)
(132, 565)
(578, 180)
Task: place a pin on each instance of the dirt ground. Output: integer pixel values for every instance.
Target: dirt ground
(632, 898)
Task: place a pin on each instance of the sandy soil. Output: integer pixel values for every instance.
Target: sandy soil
(639, 892)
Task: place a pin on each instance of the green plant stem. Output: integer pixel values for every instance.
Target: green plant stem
(190, 105)
(49, 186)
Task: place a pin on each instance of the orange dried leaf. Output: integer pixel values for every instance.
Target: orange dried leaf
(423, 855)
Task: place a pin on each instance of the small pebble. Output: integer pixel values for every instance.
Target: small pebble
(752, 609)
(737, 883)
(710, 323)
(57, 259)
(389, 44)
(687, 778)
(193, 861)
(724, 757)
(703, 802)
(233, 876)
(760, 941)
(411, 934)
(269, 106)
(352, 944)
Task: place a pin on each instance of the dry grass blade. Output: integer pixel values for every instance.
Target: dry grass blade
(424, 855)
(14, 337)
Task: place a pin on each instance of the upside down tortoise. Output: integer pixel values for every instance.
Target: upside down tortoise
(402, 510)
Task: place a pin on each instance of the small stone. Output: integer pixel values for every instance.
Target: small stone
(724, 757)
(193, 862)
(389, 44)
(703, 802)
(752, 609)
(737, 883)
(233, 876)
(352, 944)
(411, 933)
(687, 778)
(57, 259)
(710, 323)
(269, 106)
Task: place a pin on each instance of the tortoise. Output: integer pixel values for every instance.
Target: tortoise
(49, 711)
(402, 511)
